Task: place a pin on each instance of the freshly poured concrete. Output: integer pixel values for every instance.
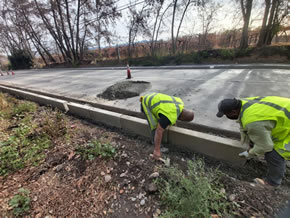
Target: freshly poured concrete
(214, 146)
(200, 89)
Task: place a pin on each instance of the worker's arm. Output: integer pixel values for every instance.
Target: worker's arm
(260, 134)
(157, 141)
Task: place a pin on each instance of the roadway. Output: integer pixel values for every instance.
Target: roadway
(200, 89)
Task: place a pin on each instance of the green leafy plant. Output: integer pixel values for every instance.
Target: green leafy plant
(95, 149)
(20, 202)
(192, 194)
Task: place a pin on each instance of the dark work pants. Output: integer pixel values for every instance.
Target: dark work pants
(276, 168)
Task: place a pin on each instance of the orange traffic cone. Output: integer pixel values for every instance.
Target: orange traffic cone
(128, 72)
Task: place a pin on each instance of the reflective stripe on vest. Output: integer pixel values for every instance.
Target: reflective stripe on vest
(277, 109)
(258, 101)
(148, 108)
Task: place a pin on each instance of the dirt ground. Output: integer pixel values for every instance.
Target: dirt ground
(66, 185)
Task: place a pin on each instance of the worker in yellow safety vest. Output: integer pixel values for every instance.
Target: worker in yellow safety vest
(161, 111)
(265, 127)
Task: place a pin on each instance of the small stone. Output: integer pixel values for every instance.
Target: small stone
(124, 155)
(232, 197)
(223, 191)
(133, 199)
(158, 211)
(121, 191)
(133, 187)
(140, 195)
(142, 202)
(105, 212)
(108, 178)
(154, 175)
(182, 159)
(103, 173)
(127, 210)
(152, 188)
(35, 198)
(123, 174)
(115, 197)
(128, 163)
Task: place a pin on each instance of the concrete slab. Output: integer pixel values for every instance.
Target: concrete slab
(213, 146)
(40, 99)
(95, 115)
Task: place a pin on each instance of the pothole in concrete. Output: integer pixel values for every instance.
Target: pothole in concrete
(123, 90)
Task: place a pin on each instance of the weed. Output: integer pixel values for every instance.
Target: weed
(55, 126)
(20, 109)
(194, 194)
(95, 149)
(20, 202)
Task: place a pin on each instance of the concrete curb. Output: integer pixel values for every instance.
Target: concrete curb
(214, 146)
(40, 99)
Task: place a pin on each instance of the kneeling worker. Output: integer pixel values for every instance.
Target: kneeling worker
(161, 111)
(265, 122)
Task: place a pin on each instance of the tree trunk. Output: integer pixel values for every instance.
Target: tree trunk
(246, 11)
(173, 45)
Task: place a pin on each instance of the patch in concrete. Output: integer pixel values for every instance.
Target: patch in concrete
(125, 89)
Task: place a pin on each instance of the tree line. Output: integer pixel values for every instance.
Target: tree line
(64, 30)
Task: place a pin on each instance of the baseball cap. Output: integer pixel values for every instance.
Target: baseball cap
(227, 105)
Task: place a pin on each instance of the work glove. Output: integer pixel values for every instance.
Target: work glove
(244, 154)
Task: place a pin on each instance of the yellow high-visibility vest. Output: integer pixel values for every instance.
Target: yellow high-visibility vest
(156, 103)
(270, 108)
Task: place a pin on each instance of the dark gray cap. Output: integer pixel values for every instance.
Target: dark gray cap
(227, 105)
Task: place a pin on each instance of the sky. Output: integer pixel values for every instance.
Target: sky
(228, 17)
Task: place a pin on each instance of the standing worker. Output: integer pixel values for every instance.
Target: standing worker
(161, 111)
(265, 126)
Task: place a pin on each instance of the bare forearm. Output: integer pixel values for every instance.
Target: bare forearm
(157, 140)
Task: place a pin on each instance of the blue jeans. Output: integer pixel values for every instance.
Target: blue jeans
(276, 168)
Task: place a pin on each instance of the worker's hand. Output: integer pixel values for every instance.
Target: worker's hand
(156, 155)
(244, 154)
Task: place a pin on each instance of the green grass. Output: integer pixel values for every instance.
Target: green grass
(196, 193)
(20, 202)
(95, 149)
(27, 138)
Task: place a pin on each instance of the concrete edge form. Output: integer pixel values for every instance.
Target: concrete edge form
(214, 146)
(189, 140)
(40, 99)
(192, 126)
(95, 115)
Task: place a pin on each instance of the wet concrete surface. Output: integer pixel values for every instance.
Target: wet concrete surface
(200, 89)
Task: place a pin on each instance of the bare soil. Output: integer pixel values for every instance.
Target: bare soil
(65, 185)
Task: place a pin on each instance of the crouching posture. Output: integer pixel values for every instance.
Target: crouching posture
(162, 111)
(265, 123)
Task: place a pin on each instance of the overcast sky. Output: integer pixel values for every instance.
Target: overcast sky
(228, 17)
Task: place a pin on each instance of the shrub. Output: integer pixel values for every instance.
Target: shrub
(194, 194)
(19, 59)
(20, 202)
(227, 54)
(95, 149)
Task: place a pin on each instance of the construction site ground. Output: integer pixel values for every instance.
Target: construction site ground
(200, 89)
(66, 185)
